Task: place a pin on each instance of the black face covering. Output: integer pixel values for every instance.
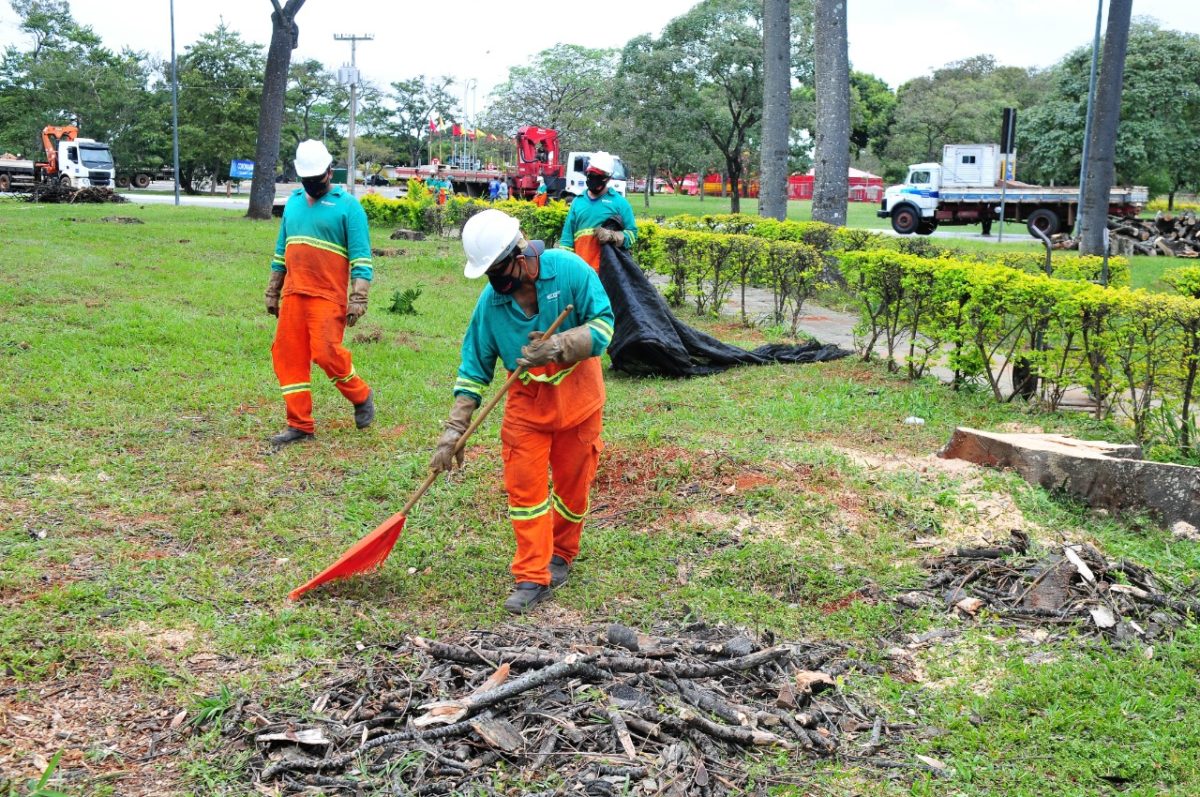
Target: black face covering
(315, 186)
(503, 282)
(596, 182)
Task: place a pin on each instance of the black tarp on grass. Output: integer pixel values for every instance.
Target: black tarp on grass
(648, 340)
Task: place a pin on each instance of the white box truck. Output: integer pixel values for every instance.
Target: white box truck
(966, 188)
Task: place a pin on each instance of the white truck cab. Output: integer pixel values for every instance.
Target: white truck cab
(85, 162)
(577, 163)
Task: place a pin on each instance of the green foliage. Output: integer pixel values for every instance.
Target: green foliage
(405, 302)
(419, 211)
(709, 266)
(209, 710)
(959, 102)
(1186, 281)
(220, 85)
(1157, 144)
(1131, 349)
(565, 87)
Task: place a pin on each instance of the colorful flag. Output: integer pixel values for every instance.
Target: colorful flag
(456, 131)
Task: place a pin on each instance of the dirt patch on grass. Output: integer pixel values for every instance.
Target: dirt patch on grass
(110, 725)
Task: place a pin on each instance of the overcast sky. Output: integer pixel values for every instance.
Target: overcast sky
(481, 39)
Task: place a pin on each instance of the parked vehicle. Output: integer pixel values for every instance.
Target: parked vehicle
(577, 163)
(967, 188)
(538, 156)
(70, 161)
(142, 177)
(377, 179)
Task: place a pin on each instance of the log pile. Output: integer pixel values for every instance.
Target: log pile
(57, 194)
(1069, 584)
(1166, 235)
(588, 711)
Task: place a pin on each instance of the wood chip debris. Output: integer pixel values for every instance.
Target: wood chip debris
(1024, 583)
(594, 710)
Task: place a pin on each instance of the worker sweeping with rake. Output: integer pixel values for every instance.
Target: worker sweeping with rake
(555, 400)
(552, 417)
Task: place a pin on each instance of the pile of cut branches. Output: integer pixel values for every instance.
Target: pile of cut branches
(591, 711)
(1069, 583)
(57, 194)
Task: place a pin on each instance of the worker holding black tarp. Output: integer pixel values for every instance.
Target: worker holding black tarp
(553, 413)
(593, 215)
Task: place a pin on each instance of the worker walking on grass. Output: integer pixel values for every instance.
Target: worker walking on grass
(584, 231)
(552, 416)
(323, 244)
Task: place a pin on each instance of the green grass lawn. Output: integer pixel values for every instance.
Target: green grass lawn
(149, 537)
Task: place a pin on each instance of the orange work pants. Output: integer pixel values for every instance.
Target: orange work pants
(310, 331)
(548, 521)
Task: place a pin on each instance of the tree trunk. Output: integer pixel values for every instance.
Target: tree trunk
(777, 109)
(284, 37)
(735, 172)
(1093, 216)
(1170, 200)
(649, 183)
(832, 153)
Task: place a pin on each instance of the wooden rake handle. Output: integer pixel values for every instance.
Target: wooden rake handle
(483, 413)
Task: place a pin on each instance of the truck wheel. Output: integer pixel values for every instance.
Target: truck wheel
(1045, 220)
(141, 181)
(122, 182)
(905, 219)
(64, 181)
(5, 183)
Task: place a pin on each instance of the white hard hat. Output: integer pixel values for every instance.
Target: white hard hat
(601, 162)
(312, 159)
(487, 237)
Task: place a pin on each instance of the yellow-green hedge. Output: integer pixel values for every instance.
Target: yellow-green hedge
(419, 211)
(1135, 352)
(710, 266)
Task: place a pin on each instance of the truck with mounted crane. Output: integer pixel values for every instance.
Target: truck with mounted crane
(538, 156)
(70, 161)
(967, 187)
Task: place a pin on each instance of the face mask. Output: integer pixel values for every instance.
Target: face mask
(596, 183)
(315, 186)
(503, 282)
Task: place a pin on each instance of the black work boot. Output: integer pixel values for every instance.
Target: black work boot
(290, 435)
(526, 596)
(560, 569)
(365, 413)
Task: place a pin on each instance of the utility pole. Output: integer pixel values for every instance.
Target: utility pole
(350, 76)
(174, 104)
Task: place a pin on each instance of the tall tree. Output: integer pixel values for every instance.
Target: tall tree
(712, 70)
(219, 98)
(777, 107)
(285, 35)
(1093, 214)
(567, 88)
(831, 188)
(415, 102)
(872, 112)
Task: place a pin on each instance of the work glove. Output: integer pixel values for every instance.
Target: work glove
(607, 236)
(444, 457)
(274, 287)
(356, 308)
(565, 348)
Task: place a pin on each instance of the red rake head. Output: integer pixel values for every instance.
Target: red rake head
(362, 557)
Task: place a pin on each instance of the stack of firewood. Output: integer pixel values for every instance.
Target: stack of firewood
(61, 194)
(1166, 235)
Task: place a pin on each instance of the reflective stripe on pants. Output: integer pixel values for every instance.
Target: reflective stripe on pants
(310, 331)
(548, 521)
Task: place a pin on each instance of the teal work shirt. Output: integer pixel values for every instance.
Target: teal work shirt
(335, 225)
(499, 327)
(587, 214)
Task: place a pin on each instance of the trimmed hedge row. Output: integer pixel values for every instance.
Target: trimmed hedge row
(827, 238)
(710, 266)
(420, 211)
(1132, 350)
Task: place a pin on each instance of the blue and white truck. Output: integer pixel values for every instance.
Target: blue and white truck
(966, 188)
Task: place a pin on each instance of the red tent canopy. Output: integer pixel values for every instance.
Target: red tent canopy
(864, 186)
